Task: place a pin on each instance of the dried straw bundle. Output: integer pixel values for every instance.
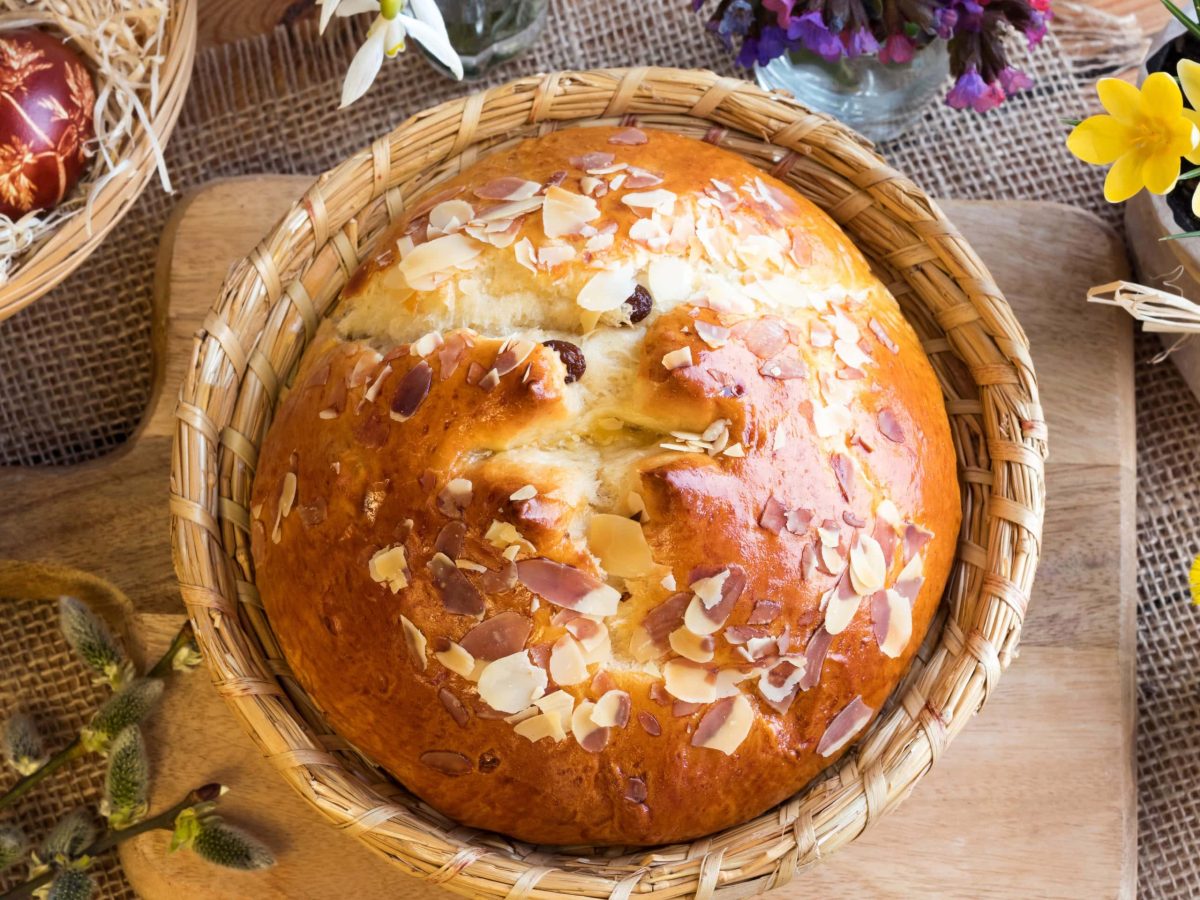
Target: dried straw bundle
(271, 305)
(140, 55)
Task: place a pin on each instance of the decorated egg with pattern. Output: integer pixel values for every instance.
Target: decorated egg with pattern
(46, 102)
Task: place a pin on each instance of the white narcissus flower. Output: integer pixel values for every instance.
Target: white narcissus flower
(386, 38)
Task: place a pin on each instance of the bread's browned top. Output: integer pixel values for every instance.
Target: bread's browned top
(633, 606)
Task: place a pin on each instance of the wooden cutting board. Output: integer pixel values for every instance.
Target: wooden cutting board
(1036, 798)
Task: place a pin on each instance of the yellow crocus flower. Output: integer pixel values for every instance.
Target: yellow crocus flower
(1144, 136)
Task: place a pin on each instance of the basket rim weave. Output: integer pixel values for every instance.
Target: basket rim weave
(271, 304)
(75, 239)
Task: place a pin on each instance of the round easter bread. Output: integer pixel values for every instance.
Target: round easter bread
(614, 498)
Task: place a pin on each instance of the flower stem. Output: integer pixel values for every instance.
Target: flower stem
(164, 820)
(75, 749)
(162, 668)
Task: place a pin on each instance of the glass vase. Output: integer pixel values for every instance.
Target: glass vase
(878, 100)
(486, 33)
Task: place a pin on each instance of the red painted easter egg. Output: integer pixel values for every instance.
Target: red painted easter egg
(46, 101)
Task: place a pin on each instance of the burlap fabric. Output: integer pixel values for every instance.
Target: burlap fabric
(75, 366)
(42, 676)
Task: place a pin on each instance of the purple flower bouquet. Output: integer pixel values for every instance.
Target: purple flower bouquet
(893, 31)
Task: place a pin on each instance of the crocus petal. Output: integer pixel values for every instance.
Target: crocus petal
(365, 65)
(1196, 203)
(1099, 140)
(1124, 178)
(1120, 98)
(1160, 171)
(1189, 78)
(436, 42)
(1194, 117)
(1160, 96)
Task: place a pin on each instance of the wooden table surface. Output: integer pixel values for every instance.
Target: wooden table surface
(222, 21)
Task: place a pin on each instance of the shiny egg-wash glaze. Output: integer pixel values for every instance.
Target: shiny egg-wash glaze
(714, 420)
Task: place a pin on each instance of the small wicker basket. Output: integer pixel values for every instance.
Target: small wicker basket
(271, 304)
(76, 238)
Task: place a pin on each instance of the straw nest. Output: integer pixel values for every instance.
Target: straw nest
(140, 54)
(271, 304)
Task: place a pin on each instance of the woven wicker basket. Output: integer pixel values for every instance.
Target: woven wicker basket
(79, 235)
(271, 304)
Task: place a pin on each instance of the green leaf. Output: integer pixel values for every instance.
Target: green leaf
(231, 847)
(13, 844)
(71, 884)
(127, 707)
(73, 834)
(1190, 173)
(90, 638)
(127, 781)
(1182, 234)
(22, 744)
(1183, 18)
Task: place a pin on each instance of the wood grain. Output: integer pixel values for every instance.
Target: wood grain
(1035, 799)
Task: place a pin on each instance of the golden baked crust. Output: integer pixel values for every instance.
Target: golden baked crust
(769, 417)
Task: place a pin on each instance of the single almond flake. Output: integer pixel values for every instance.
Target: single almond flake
(568, 587)
(620, 545)
(558, 704)
(567, 664)
(507, 187)
(591, 737)
(501, 635)
(696, 647)
(607, 290)
(525, 254)
(509, 211)
(511, 354)
(416, 643)
(594, 159)
(450, 539)
(612, 709)
(814, 658)
(553, 255)
(670, 279)
(457, 660)
(450, 215)
(867, 567)
(412, 391)
(665, 618)
(678, 359)
(390, 566)
(689, 681)
(528, 492)
(915, 538)
(832, 420)
(841, 603)
(649, 723)
(629, 136)
(454, 706)
(891, 613)
(512, 683)
(845, 727)
(772, 517)
(435, 257)
(565, 212)
(726, 725)
(537, 727)
(710, 589)
(882, 336)
(459, 596)
(843, 471)
(765, 612)
(447, 762)
(797, 520)
(640, 178)
(455, 497)
(660, 200)
(636, 790)
(735, 450)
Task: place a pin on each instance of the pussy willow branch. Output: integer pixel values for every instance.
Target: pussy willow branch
(75, 749)
(164, 820)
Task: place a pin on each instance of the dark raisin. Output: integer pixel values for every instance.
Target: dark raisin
(571, 356)
(639, 303)
(488, 761)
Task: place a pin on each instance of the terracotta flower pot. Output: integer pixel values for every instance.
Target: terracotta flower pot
(1173, 266)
